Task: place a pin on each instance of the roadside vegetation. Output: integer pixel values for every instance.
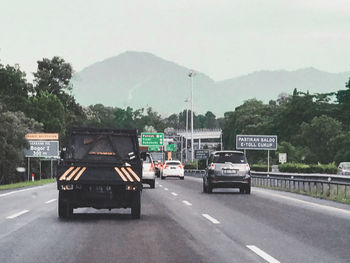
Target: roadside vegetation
(26, 184)
(311, 128)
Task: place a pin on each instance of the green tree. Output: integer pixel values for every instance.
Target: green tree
(319, 135)
(49, 110)
(53, 76)
(14, 88)
(14, 126)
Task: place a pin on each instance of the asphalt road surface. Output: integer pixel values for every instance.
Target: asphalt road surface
(179, 223)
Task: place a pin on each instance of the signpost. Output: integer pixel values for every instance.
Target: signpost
(171, 148)
(257, 142)
(201, 154)
(152, 148)
(282, 157)
(152, 139)
(42, 145)
(42, 149)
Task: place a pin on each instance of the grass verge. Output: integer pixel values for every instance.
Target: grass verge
(26, 184)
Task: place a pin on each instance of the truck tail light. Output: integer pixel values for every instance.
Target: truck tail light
(152, 167)
(212, 166)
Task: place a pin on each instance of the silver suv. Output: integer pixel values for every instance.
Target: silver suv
(227, 169)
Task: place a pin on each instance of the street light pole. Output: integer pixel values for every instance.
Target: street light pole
(191, 75)
(186, 129)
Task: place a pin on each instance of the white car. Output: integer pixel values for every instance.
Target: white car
(173, 169)
(148, 172)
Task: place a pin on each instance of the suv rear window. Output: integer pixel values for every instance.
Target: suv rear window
(229, 157)
(172, 163)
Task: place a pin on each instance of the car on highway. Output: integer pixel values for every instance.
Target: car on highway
(158, 167)
(172, 168)
(344, 168)
(148, 171)
(227, 169)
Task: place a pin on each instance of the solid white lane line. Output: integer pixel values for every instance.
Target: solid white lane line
(211, 219)
(263, 254)
(50, 201)
(18, 191)
(325, 207)
(174, 194)
(166, 189)
(186, 203)
(17, 214)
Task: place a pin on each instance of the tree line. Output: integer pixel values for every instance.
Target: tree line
(311, 128)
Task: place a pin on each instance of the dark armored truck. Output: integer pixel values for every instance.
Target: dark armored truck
(100, 168)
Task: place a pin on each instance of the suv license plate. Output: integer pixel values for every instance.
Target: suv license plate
(230, 171)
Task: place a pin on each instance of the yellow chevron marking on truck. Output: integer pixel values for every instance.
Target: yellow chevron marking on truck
(134, 174)
(120, 174)
(127, 174)
(63, 176)
(73, 173)
(79, 174)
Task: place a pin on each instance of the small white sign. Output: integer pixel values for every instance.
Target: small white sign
(282, 157)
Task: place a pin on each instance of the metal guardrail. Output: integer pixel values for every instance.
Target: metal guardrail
(194, 173)
(317, 184)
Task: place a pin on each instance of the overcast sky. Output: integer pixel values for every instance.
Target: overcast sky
(223, 39)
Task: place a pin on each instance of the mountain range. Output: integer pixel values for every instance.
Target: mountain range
(140, 79)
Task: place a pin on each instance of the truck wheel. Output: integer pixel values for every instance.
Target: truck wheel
(209, 188)
(242, 189)
(205, 190)
(162, 177)
(152, 184)
(136, 205)
(62, 206)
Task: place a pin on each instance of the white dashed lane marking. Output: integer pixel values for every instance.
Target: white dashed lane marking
(50, 201)
(166, 189)
(186, 203)
(17, 214)
(263, 254)
(174, 194)
(211, 219)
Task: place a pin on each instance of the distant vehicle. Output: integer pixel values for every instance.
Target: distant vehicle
(148, 171)
(344, 168)
(101, 168)
(158, 167)
(173, 169)
(227, 169)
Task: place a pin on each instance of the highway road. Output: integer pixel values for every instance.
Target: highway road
(179, 223)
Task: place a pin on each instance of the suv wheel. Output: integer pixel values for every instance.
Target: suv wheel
(247, 189)
(151, 185)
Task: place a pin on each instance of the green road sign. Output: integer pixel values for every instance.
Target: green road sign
(152, 139)
(152, 148)
(171, 147)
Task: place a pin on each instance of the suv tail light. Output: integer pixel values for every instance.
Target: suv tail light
(165, 167)
(181, 166)
(152, 167)
(247, 166)
(212, 166)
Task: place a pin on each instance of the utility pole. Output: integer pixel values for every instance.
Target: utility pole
(186, 130)
(191, 75)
